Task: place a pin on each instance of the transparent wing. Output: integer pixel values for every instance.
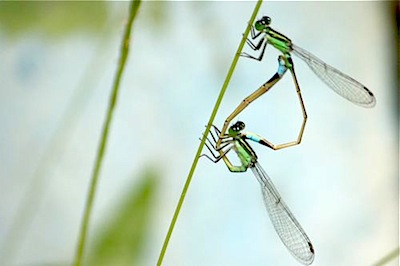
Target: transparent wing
(287, 227)
(342, 84)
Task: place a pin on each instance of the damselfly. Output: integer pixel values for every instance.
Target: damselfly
(285, 224)
(339, 82)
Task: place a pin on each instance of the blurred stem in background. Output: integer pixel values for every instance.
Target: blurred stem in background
(388, 257)
(210, 122)
(101, 151)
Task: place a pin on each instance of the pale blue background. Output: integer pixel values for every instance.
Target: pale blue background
(341, 182)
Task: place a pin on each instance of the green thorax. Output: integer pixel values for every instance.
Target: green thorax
(245, 153)
(278, 40)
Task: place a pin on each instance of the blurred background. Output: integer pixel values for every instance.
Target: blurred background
(58, 61)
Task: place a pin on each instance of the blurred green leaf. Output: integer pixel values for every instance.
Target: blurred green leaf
(124, 236)
(52, 18)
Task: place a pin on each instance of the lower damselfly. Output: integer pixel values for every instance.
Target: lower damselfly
(286, 225)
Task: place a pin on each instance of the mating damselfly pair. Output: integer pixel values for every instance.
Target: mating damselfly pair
(235, 138)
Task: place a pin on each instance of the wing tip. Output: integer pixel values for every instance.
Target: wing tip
(372, 101)
(311, 248)
(310, 258)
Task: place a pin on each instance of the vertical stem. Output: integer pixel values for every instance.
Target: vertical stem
(213, 114)
(124, 51)
(388, 257)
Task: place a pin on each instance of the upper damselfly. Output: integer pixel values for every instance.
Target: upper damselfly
(339, 82)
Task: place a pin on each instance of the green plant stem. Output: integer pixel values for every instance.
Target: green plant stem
(390, 256)
(213, 114)
(124, 51)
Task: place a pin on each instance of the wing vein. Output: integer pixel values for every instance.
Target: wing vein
(339, 82)
(285, 224)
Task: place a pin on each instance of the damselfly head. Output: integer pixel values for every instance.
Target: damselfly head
(262, 23)
(238, 126)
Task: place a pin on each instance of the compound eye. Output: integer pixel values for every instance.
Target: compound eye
(241, 125)
(238, 126)
(265, 20)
